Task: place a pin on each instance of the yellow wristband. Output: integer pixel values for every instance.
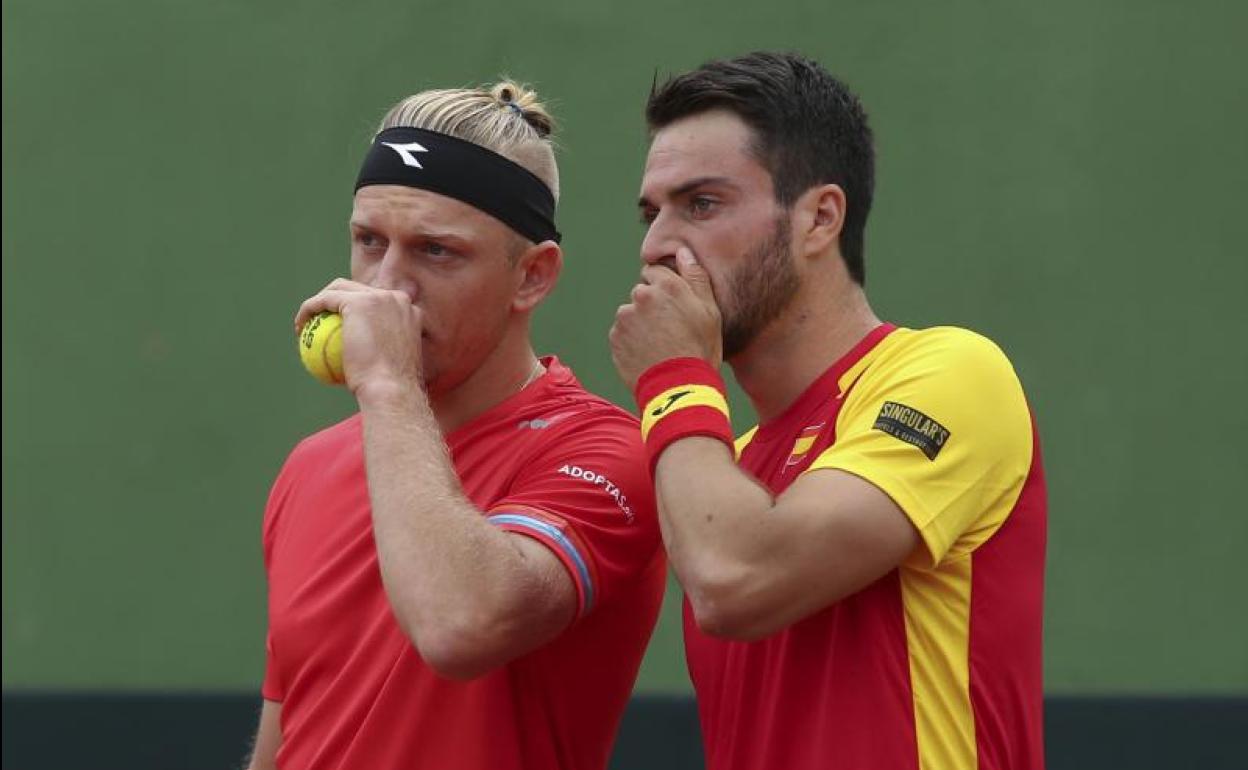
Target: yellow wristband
(673, 400)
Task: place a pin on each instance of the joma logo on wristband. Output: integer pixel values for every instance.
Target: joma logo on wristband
(675, 400)
(672, 399)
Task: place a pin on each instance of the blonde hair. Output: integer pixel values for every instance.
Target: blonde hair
(507, 118)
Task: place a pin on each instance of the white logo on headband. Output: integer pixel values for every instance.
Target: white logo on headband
(405, 152)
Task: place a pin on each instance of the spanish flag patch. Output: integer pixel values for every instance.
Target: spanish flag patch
(805, 440)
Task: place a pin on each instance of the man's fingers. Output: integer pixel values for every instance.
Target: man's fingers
(684, 265)
(694, 274)
(329, 299)
(326, 300)
(657, 275)
(334, 298)
(346, 284)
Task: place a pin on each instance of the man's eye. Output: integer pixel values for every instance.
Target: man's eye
(701, 205)
(366, 240)
(435, 249)
(648, 215)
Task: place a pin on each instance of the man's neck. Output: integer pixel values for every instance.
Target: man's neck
(791, 353)
(507, 370)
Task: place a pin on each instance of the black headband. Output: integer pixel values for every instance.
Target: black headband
(485, 180)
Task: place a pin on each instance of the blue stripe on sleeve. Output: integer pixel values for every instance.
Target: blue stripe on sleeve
(564, 542)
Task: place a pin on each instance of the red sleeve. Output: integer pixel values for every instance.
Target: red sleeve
(586, 495)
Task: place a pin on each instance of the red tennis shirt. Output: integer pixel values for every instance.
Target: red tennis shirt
(937, 665)
(553, 463)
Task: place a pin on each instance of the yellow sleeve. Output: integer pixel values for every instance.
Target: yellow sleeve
(938, 421)
(743, 441)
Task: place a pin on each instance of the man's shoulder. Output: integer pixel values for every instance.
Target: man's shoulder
(561, 419)
(570, 403)
(946, 339)
(951, 350)
(581, 418)
(330, 440)
(943, 369)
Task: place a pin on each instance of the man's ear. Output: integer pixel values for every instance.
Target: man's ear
(819, 216)
(537, 271)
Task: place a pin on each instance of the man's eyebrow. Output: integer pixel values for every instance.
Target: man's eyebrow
(689, 186)
(420, 232)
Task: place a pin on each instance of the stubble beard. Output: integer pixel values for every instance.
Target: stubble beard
(759, 290)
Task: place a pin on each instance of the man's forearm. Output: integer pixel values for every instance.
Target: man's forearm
(268, 738)
(447, 572)
(751, 564)
(709, 511)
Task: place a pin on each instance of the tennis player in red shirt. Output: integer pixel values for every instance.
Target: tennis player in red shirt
(864, 583)
(465, 573)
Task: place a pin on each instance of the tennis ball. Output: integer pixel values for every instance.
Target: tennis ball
(320, 348)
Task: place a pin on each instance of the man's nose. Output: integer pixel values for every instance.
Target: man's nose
(394, 274)
(660, 244)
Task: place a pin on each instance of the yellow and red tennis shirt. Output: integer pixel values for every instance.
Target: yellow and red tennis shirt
(937, 665)
(554, 463)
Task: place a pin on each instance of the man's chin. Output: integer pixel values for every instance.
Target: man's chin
(736, 341)
(740, 340)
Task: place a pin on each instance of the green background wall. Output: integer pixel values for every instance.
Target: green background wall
(1067, 177)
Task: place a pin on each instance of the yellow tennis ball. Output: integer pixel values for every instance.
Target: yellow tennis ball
(320, 348)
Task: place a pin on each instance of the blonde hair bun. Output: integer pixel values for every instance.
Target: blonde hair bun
(526, 103)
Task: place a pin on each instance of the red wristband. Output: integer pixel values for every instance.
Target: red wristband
(681, 397)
